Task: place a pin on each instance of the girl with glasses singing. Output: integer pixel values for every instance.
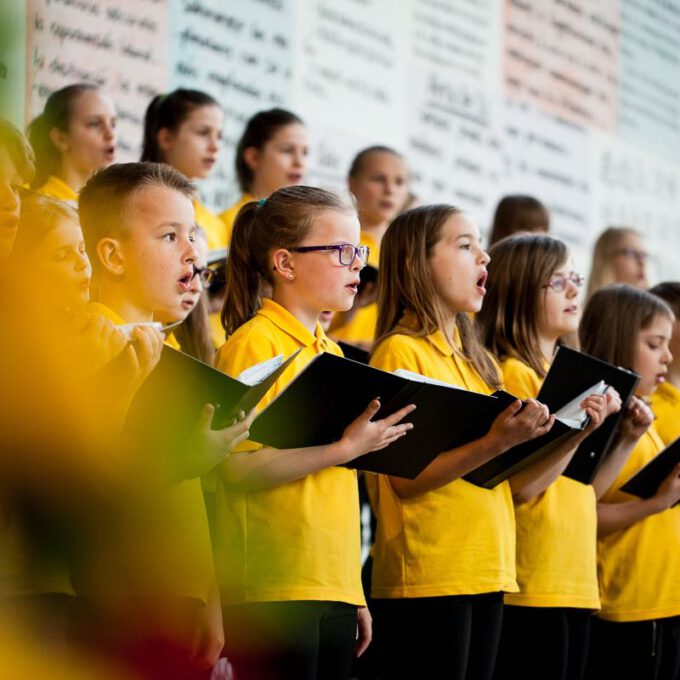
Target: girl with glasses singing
(287, 536)
(532, 305)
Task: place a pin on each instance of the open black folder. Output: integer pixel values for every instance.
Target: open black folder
(170, 401)
(573, 371)
(332, 391)
(646, 481)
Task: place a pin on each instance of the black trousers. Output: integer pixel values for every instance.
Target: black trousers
(546, 643)
(644, 650)
(452, 637)
(290, 640)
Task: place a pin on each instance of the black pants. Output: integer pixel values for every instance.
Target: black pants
(546, 643)
(296, 640)
(644, 650)
(454, 637)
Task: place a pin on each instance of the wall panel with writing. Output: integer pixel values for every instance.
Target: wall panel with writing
(241, 53)
(120, 46)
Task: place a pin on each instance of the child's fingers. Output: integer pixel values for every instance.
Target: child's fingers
(372, 408)
(205, 419)
(398, 415)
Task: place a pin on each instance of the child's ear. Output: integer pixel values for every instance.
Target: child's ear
(110, 256)
(165, 139)
(60, 139)
(282, 265)
(251, 155)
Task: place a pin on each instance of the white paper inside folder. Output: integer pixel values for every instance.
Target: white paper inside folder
(257, 373)
(417, 377)
(572, 414)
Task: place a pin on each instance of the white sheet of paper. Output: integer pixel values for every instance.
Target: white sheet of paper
(572, 414)
(257, 373)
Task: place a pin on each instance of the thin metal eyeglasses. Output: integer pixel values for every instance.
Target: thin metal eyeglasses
(559, 283)
(346, 252)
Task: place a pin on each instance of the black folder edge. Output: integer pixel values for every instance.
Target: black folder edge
(645, 482)
(354, 353)
(485, 478)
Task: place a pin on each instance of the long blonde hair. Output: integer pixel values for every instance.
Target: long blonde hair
(405, 284)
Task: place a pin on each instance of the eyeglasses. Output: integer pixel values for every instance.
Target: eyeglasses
(639, 255)
(346, 252)
(205, 274)
(559, 283)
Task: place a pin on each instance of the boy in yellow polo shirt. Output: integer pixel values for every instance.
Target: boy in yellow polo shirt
(138, 222)
(666, 399)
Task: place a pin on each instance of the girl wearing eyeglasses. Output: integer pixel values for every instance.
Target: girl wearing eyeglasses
(532, 305)
(636, 631)
(619, 256)
(287, 538)
(183, 128)
(444, 550)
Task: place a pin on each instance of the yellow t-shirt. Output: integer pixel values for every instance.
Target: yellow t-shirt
(638, 567)
(361, 327)
(229, 215)
(55, 187)
(458, 539)
(297, 541)
(666, 407)
(162, 544)
(556, 531)
(213, 227)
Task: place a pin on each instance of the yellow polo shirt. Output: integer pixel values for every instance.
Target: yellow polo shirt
(215, 233)
(666, 407)
(55, 187)
(229, 215)
(297, 541)
(163, 542)
(556, 531)
(458, 539)
(638, 567)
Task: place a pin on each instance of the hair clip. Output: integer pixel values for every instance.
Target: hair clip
(260, 203)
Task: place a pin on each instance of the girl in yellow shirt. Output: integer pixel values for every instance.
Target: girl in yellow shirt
(271, 154)
(445, 549)
(184, 129)
(72, 138)
(636, 632)
(287, 538)
(666, 398)
(532, 303)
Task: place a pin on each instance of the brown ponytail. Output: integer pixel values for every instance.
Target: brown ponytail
(281, 221)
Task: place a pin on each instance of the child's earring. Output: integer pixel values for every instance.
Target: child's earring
(291, 276)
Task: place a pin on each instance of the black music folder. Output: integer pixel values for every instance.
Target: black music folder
(571, 420)
(171, 399)
(572, 372)
(332, 391)
(647, 480)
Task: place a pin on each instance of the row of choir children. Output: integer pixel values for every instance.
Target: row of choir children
(466, 582)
